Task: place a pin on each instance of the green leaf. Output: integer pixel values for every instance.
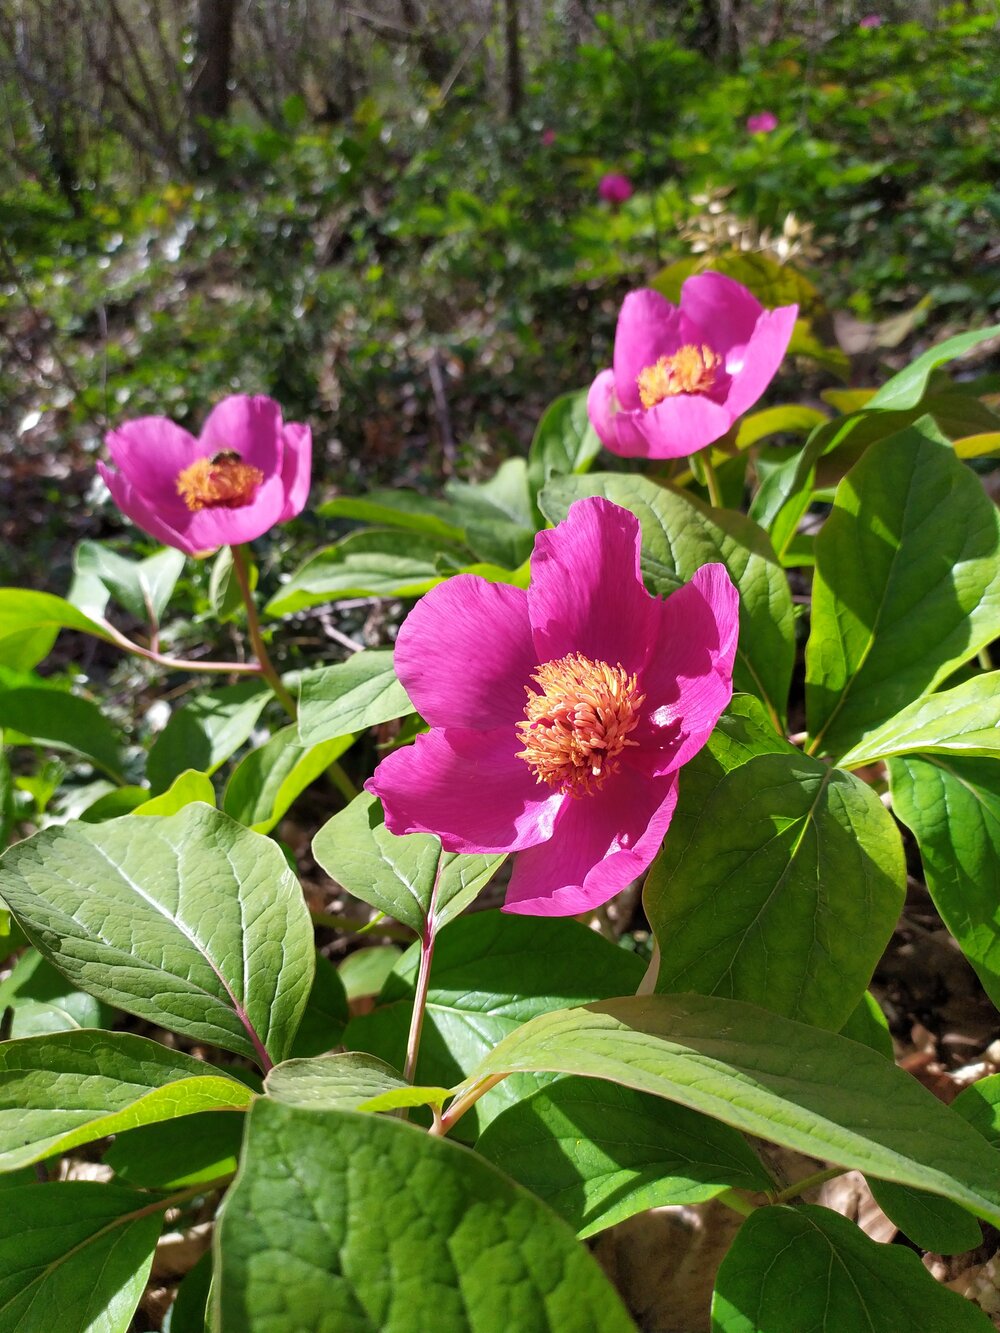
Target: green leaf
(767, 1075)
(42, 1000)
(980, 1105)
(564, 441)
(789, 419)
(780, 883)
(140, 586)
(598, 1153)
(498, 514)
(932, 1223)
(61, 720)
(224, 591)
(74, 1256)
(113, 803)
(961, 721)
(952, 807)
(350, 696)
(7, 817)
(399, 875)
(491, 973)
(205, 732)
(29, 623)
(68, 1088)
(791, 1269)
(907, 585)
(191, 922)
(171, 1154)
(326, 1012)
(348, 1081)
(679, 535)
(906, 389)
(342, 1223)
(265, 784)
(365, 971)
(186, 788)
(374, 563)
(868, 1025)
(399, 508)
(189, 1312)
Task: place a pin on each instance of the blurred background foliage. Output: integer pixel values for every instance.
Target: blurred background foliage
(386, 215)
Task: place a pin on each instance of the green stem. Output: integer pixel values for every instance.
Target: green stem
(711, 479)
(256, 638)
(734, 1200)
(423, 979)
(808, 1183)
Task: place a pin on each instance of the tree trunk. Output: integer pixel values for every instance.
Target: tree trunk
(208, 99)
(512, 32)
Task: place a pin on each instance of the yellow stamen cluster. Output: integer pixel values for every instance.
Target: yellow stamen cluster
(578, 724)
(690, 370)
(223, 481)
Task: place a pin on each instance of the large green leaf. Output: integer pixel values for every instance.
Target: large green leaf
(952, 807)
(907, 585)
(780, 883)
(142, 587)
(350, 696)
(205, 732)
(927, 1220)
(69, 1088)
(491, 973)
(345, 1223)
(186, 788)
(679, 535)
(42, 1000)
(497, 514)
(564, 441)
(348, 1081)
(192, 922)
(961, 721)
(74, 1256)
(270, 778)
(399, 508)
(767, 1075)
(408, 878)
(65, 721)
(30, 621)
(193, 1150)
(597, 1152)
(906, 389)
(791, 1269)
(378, 562)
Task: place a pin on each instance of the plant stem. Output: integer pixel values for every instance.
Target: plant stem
(464, 1103)
(808, 1183)
(734, 1200)
(423, 979)
(256, 638)
(711, 479)
(177, 663)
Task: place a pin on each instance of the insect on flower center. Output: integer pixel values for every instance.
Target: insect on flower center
(223, 481)
(578, 721)
(691, 369)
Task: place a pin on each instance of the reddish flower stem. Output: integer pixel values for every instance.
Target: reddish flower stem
(464, 1103)
(177, 663)
(423, 979)
(256, 638)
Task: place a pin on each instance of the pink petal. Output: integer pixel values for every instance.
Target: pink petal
(141, 511)
(616, 429)
(600, 845)
(296, 467)
(648, 327)
(724, 310)
(586, 593)
(688, 681)
(468, 788)
(465, 654)
(251, 426)
(683, 424)
(761, 358)
(208, 528)
(150, 452)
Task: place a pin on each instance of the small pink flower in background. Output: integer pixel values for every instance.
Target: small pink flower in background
(246, 471)
(871, 21)
(614, 188)
(762, 123)
(548, 137)
(560, 715)
(682, 375)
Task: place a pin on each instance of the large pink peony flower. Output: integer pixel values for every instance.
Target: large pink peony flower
(683, 374)
(244, 473)
(614, 188)
(560, 716)
(762, 122)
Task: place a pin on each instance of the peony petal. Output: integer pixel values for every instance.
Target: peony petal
(251, 426)
(688, 680)
(725, 311)
(599, 846)
(296, 467)
(683, 424)
(208, 528)
(141, 511)
(465, 655)
(586, 593)
(149, 453)
(761, 358)
(468, 788)
(648, 327)
(617, 430)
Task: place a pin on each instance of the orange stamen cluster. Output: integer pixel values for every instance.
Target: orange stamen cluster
(223, 481)
(690, 370)
(578, 724)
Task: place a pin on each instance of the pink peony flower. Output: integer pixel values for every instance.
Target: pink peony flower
(244, 473)
(614, 188)
(871, 21)
(683, 374)
(548, 137)
(762, 123)
(560, 715)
